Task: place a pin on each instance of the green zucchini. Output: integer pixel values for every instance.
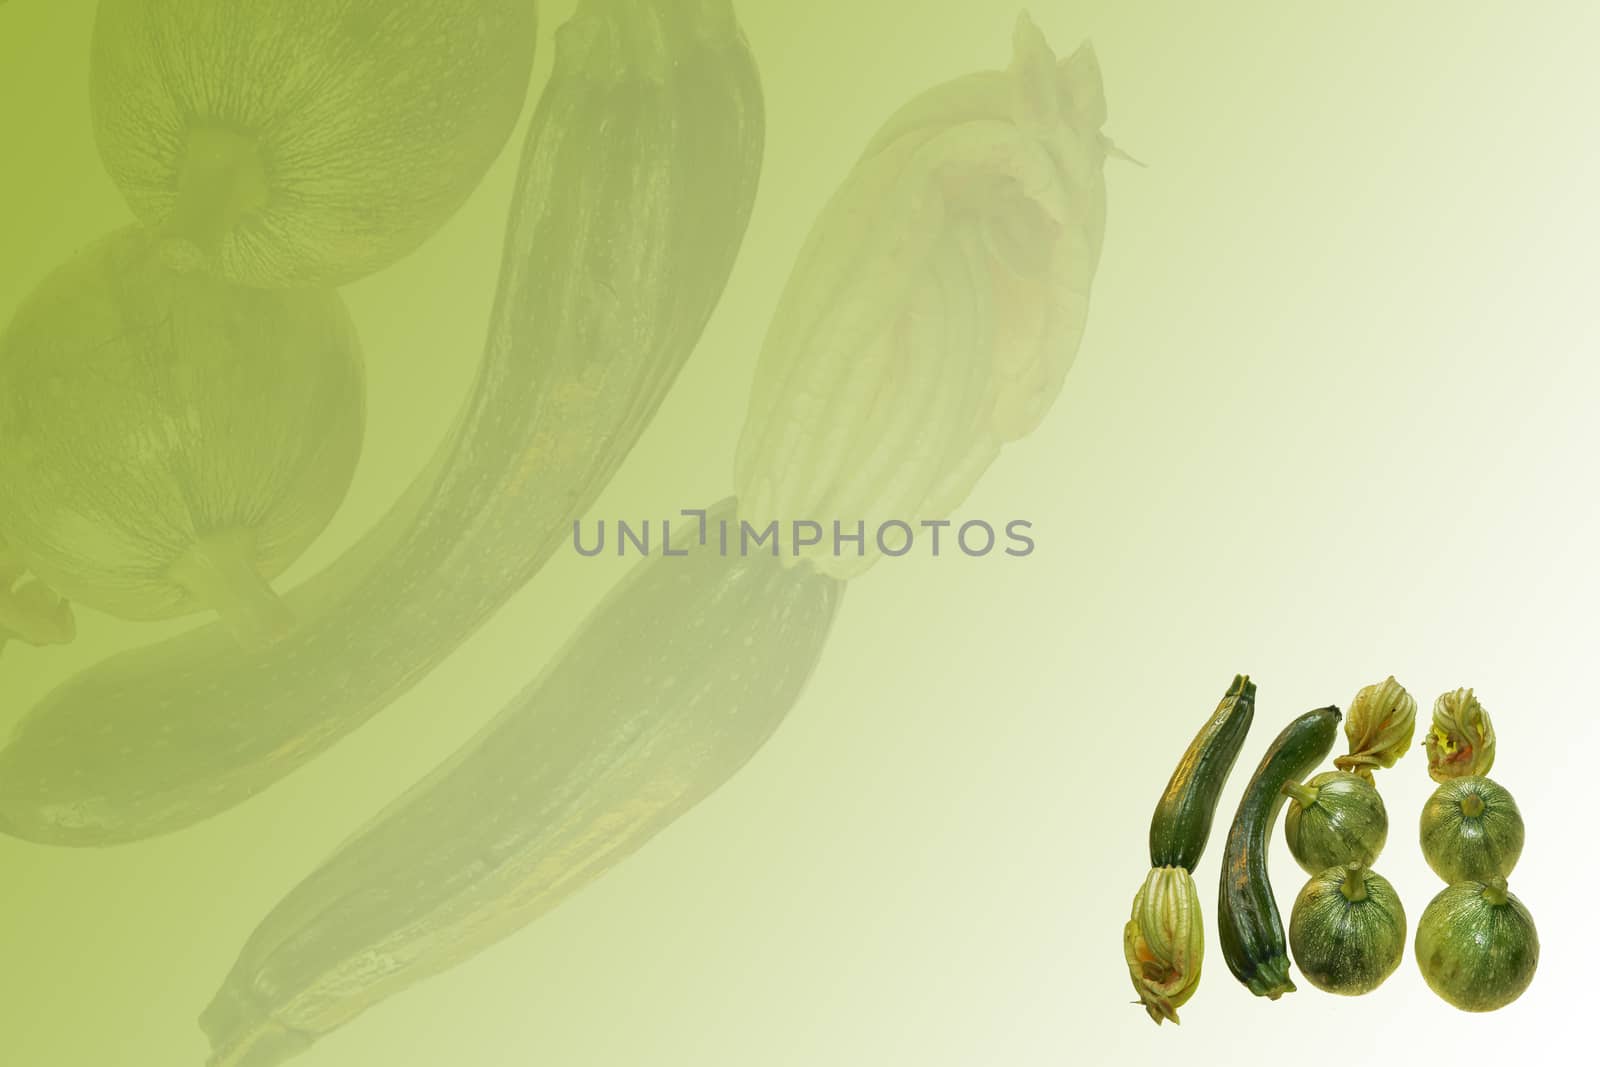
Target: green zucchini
(1182, 821)
(1163, 941)
(304, 142)
(1248, 922)
(667, 690)
(1335, 819)
(1471, 830)
(638, 177)
(170, 443)
(1477, 946)
(1347, 930)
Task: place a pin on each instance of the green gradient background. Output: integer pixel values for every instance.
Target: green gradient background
(1332, 419)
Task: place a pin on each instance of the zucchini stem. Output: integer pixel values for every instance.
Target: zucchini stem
(1305, 794)
(1494, 891)
(1472, 805)
(220, 572)
(1354, 886)
(223, 181)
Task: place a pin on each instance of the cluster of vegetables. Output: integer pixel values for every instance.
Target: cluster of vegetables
(1475, 944)
(182, 404)
(1347, 928)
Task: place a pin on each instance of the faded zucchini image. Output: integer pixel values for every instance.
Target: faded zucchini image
(487, 496)
(170, 442)
(184, 409)
(637, 178)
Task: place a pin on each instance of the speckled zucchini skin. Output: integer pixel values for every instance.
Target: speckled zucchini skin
(355, 128)
(1345, 946)
(1182, 821)
(1347, 823)
(1462, 847)
(1248, 923)
(1477, 946)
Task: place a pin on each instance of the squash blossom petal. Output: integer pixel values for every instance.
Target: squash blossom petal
(1164, 942)
(1380, 725)
(1461, 742)
(936, 306)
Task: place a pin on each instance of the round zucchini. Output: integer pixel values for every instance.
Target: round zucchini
(1335, 819)
(1471, 831)
(1477, 946)
(1347, 930)
(1248, 923)
(1182, 821)
(170, 443)
(304, 142)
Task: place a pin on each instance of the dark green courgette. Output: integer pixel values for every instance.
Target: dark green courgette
(672, 684)
(1182, 821)
(1248, 922)
(1163, 941)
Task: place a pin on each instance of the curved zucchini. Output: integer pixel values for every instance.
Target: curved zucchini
(1248, 922)
(637, 180)
(1182, 822)
(674, 682)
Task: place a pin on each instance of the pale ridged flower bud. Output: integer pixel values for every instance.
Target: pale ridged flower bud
(1164, 942)
(1380, 725)
(1461, 742)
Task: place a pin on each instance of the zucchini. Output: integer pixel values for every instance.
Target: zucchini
(171, 443)
(1471, 831)
(1182, 821)
(674, 682)
(638, 178)
(1477, 945)
(304, 142)
(1347, 929)
(1248, 922)
(1163, 941)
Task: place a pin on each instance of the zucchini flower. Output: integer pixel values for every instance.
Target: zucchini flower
(936, 306)
(1461, 742)
(1164, 942)
(1380, 724)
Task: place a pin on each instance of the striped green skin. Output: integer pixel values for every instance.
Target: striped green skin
(143, 412)
(637, 181)
(1182, 821)
(364, 124)
(1477, 946)
(1475, 848)
(1248, 923)
(667, 690)
(1344, 946)
(1347, 823)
